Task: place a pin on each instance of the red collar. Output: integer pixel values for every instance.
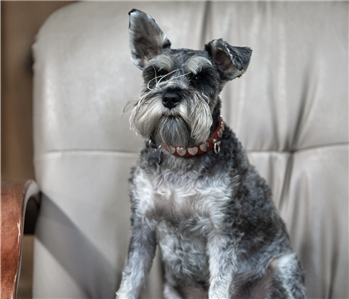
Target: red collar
(211, 143)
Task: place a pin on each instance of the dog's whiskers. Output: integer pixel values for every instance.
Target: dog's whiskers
(159, 84)
(156, 79)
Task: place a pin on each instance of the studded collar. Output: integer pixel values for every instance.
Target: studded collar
(213, 142)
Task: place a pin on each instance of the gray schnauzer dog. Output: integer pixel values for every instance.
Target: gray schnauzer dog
(193, 191)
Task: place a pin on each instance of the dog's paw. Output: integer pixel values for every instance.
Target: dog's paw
(120, 296)
(170, 292)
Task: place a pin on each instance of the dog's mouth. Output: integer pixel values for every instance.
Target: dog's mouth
(173, 130)
(171, 113)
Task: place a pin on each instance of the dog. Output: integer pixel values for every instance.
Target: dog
(193, 191)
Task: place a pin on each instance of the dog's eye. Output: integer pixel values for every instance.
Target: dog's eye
(161, 73)
(196, 78)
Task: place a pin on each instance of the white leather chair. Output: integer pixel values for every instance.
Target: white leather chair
(289, 110)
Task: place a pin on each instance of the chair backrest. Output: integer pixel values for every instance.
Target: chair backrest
(289, 110)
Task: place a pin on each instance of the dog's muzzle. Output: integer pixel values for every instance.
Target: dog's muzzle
(213, 142)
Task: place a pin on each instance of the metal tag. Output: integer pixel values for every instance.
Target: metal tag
(154, 154)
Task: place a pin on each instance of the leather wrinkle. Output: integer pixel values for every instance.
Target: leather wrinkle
(205, 22)
(248, 151)
(306, 92)
(286, 182)
(274, 100)
(92, 151)
(340, 144)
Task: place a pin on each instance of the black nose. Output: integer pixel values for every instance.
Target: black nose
(171, 99)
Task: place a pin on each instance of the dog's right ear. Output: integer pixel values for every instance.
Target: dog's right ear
(146, 38)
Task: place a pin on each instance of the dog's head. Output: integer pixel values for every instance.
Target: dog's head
(181, 86)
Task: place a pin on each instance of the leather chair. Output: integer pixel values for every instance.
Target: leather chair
(289, 110)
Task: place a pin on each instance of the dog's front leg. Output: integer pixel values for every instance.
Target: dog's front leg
(140, 257)
(222, 259)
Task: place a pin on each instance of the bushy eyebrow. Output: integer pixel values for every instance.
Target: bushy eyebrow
(196, 63)
(162, 61)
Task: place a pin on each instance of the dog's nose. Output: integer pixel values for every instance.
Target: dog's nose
(171, 99)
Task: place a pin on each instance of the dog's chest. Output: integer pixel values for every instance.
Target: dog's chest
(182, 201)
(183, 211)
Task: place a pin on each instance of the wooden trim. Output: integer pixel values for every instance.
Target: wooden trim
(14, 199)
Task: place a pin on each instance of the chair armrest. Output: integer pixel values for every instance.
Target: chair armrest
(14, 198)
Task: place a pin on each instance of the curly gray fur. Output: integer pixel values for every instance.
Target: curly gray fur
(212, 215)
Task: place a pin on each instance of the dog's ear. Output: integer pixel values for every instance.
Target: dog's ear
(231, 61)
(146, 38)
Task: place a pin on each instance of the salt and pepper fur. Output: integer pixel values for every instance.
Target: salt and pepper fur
(211, 215)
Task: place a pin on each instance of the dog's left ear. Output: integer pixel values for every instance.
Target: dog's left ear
(231, 61)
(146, 38)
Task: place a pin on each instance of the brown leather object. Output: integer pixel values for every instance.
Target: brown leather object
(14, 198)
